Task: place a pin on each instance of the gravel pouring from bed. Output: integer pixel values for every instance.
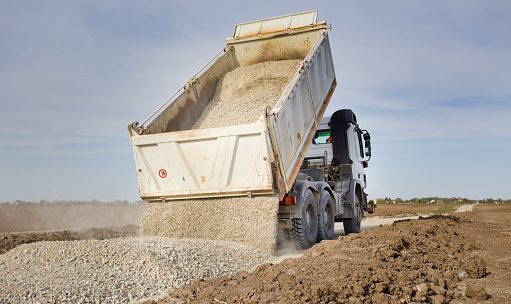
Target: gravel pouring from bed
(248, 220)
(116, 270)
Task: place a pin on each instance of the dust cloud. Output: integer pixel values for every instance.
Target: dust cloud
(60, 216)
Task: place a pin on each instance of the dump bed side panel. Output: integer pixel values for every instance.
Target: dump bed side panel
(294, 118)
(213, 162)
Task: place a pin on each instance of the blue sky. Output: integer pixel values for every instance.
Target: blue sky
(431, 80)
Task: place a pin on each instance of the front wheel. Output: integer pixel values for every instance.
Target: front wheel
(371, 207)
(305, 229)
(353, 224)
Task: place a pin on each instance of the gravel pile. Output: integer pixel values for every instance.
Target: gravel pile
(115, 270)
(247, 220)
(242, 94)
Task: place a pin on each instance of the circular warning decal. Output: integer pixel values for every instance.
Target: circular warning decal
(162, 173)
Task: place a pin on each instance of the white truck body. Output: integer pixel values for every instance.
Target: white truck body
(175, 162)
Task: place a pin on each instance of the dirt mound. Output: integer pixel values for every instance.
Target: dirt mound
(413, 261)
(9, 241)
(242, 94)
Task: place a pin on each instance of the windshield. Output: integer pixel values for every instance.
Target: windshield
(322, 137)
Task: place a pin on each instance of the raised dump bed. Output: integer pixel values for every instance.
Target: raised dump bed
(240, 126)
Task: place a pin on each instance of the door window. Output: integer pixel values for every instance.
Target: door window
(322, 137)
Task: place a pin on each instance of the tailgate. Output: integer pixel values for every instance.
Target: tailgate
(203, 163)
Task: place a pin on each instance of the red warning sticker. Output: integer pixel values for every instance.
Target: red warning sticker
(162, 173)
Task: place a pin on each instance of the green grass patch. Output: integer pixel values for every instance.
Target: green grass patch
(444, 209)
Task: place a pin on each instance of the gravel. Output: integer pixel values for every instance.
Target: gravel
(9, 241)
(120, 270)
(242, 94)
(247, 220)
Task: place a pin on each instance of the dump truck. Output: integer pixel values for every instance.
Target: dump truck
(246, 180)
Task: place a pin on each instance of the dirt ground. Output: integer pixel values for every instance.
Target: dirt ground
(443, 259)
(460, 258)
(412, 209)
(490, 227)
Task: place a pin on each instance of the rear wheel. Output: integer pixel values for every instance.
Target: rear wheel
(326, 217)
(352, 225)
(305, 229)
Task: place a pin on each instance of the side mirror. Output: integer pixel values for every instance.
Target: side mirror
(368, 148)
(367, 143)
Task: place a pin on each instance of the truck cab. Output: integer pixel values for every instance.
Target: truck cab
(354, 149)
(330, 186)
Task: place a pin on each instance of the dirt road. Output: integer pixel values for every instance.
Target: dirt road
(465, 208)
(377, 220)
(412, 209)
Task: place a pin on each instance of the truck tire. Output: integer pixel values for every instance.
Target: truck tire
(370, 207)
(326, 218)
(304, 230)
(352, 225)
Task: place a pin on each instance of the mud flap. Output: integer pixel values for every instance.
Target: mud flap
(349, 203)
